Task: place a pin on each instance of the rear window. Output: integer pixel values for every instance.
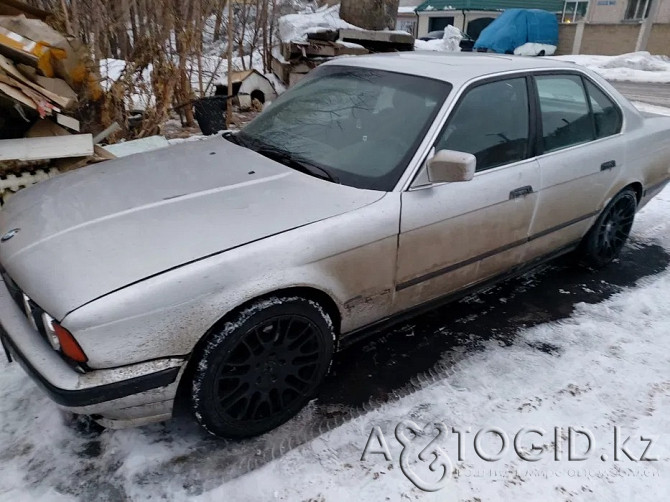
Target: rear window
(566, 115)
(606, 114)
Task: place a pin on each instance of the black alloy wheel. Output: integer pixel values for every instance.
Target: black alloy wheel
(262, 367)
(608, 235)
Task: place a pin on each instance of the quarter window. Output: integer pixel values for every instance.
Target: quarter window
(492, 123)
(566, 119)
(606, 114)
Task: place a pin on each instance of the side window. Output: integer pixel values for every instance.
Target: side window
(492, 123)
(566, 117)
(606, 114)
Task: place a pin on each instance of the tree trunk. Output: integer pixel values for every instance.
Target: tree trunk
(370, 14)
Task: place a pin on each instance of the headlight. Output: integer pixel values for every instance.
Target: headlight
(47, 321)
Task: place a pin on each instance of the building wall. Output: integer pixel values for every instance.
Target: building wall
(664, 15)
(607, 39)
(566, 37)
(608, 13)
(659, 40)
(615, 13)
(406, 22)
(460, 21)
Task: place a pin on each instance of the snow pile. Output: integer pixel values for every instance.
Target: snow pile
(295, 27)
(632, 67)
(449, 43)
(533, 49)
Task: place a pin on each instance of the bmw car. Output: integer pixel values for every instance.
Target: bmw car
(228, 272)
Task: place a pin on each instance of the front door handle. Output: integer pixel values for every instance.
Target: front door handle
(520, 192)
(610, 164)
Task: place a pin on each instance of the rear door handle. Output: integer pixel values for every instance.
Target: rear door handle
(610, 164)
(520, 192)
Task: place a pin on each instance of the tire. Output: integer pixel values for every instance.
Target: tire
(609, 233)
(262, 366)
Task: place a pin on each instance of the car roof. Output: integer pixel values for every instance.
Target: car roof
(453, 67)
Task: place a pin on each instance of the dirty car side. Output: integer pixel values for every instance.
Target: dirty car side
(144, 260)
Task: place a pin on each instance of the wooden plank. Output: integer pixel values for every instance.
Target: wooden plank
(17, 95)
(68, 122)
(15, 8)
(45, 128)
(325, 35)
(388, 37)
(42, 104)
(55, 147)
(13, 72)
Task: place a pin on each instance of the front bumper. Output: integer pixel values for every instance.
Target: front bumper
(117, 397)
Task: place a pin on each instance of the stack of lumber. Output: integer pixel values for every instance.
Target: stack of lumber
(42, 73)
(298, 57)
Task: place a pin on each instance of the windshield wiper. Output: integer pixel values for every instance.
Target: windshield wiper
(282, 156)
(288, 159)
(233, 138)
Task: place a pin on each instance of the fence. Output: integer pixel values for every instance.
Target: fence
(612, 39)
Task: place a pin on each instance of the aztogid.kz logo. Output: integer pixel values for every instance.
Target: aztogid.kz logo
(530, 444)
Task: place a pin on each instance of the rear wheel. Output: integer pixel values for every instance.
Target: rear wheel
(608, 235)
(262, 367)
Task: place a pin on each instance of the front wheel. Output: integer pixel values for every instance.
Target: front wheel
(608, 235)
(262, 367)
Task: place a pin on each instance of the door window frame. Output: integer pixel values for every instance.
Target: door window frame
(417, 165)
(539, 147)
(531, 142)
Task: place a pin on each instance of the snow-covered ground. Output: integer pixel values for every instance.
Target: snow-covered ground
(632, 67)
(607, 365)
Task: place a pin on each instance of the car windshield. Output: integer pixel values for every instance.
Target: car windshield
(355, 126)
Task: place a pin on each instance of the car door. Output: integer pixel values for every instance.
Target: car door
(582, 153)
(455, 234)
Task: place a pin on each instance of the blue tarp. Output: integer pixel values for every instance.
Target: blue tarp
(516, 27)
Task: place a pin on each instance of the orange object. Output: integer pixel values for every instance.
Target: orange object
(68, 344)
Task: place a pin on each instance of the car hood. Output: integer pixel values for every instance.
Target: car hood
(98, 229)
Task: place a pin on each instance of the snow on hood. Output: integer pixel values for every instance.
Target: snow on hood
(92, 231)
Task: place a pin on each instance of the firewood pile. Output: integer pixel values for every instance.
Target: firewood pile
(46, 79)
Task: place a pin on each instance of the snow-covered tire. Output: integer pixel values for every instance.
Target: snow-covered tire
(609, 233)
(262, 366)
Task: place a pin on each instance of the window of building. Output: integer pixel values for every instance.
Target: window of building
(637, 9)
(492, 123)
(574, 11)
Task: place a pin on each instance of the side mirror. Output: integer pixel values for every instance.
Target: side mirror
(448, 166)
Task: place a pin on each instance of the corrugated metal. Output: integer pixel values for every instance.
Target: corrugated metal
(437, 5)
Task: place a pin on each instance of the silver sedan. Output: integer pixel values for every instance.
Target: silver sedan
(232, 269)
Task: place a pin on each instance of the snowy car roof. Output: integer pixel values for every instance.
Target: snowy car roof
(453, 67)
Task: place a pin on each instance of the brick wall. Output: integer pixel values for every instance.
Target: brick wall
(659, 40)
(566, 37)
(609, 39)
